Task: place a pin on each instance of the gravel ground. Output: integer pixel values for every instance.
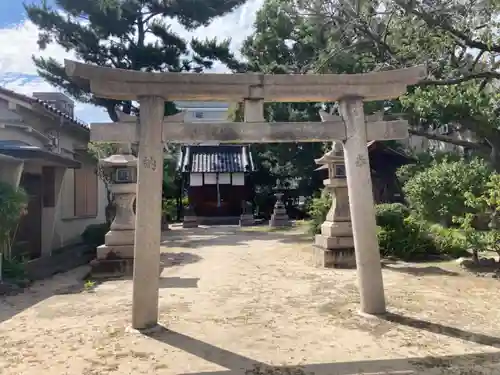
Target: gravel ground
(231, 300)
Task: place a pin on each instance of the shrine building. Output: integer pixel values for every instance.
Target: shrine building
(215, 177)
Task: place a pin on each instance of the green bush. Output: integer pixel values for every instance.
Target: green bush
(12, 269)
(438, 193)
(391, 215)
(449, 241)
(317, 210)
(13, 204)
(401, 235)
(404, 236)
(94, 234)
(169, 208)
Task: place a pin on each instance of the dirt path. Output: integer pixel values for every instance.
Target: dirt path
(232, 299)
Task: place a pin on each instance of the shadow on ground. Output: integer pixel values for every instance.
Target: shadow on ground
(421, 271)
(42, 290)
(441, 329)
(237, 364)
(61, 284)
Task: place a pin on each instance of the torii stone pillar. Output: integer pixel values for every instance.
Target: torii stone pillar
(148, 213)
(359, 184)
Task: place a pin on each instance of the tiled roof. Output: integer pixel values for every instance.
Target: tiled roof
(212, 159)
(45, 105)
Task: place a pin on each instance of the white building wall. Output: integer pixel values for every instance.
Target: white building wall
(59, 225)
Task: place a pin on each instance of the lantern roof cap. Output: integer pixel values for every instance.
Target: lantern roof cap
(336, 154)
(119, 160)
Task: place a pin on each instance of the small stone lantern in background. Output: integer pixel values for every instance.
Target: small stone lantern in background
(117, 254)
(334, 247)
(246, 217)
(279, 217)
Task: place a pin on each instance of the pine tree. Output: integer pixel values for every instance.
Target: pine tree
(128, 34)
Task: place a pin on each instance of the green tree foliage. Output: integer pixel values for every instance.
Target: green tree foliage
(456, 40)
(127, 34)
(101, 151)
(439, 192)
(485, 205)
(285, 165)
(270, 49)
(317, 210)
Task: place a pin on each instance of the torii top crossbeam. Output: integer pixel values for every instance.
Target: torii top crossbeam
(123, 84)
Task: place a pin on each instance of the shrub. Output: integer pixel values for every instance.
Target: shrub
(169, 208)
(404, 236)
(438, 193)
(12, 269)
(391, 214)
(401, 235)
(318, 209)
(13, 204)
(94, 234)
(449, 241)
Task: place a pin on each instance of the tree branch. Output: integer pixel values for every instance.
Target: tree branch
(456, 81)
(431, 21)
(442, 138)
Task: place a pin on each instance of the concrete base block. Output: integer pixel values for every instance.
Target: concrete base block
(246, 220)
(115, 251)
(279, 221)
(338, 258)
(190, 222)
(333, 243)
(114, 267)
(338, 228)
(111, 268)
(119, 237)
(279, 211)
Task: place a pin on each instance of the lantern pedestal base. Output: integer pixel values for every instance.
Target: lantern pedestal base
(246, 220)
(113, 261)
(119, 238)
(334, 247)
(279, 221)
(112, 268)
(333, 258)
(115, 251)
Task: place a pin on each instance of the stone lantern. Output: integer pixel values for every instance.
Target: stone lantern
(117, 253)
(279, 217)
(334, 247)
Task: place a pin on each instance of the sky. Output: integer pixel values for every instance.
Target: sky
(18, 38)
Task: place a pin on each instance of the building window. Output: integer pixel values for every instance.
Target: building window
(198, 115)
(86, 192)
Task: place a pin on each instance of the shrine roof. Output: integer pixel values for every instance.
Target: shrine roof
(397, 156)
(216, 159)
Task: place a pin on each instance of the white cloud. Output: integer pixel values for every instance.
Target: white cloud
(19, 43)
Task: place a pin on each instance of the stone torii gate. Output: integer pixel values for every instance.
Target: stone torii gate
(151, 90)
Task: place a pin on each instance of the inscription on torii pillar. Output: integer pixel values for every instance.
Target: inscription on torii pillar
(153, 89)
